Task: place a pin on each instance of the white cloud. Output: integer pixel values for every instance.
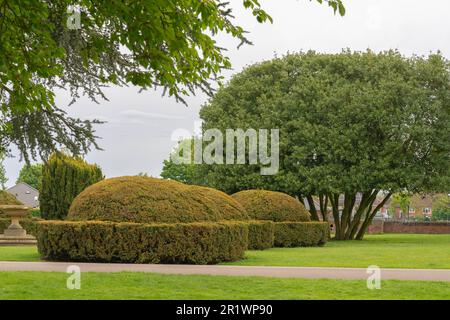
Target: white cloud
(137, 114)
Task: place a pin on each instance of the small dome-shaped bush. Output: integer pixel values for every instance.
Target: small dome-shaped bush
(271, 205)
(7, 199)
(147, 200)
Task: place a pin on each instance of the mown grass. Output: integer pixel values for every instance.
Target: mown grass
(19, 253)
(127, 285)
(416, 251)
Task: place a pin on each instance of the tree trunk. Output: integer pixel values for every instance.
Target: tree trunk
(334, 198)
(312, 208)
(349, 203)
(366, 203)
(300, 198)
(369, 218)
(348, 227)
(323, 201)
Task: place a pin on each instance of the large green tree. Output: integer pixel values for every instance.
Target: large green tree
(84, 45)
(350, 124)
(31, 174)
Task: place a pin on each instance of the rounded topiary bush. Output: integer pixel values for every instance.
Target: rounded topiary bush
(271, 205)
(150, 200)
(142, 219)
(7, 199)
(147, 220)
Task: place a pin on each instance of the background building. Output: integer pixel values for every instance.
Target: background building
(26, 194)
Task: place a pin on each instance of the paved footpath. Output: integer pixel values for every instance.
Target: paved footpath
(279, 272)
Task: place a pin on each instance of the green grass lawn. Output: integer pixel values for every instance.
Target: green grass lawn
(19, 253)
(43, 285)
(386, 251)
(419, 251)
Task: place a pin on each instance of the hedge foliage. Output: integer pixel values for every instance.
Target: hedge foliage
(63, 178)
(99, 241)
(271, 205)
(151, 200)
(7, 198)
(301, 234)
(260, 234)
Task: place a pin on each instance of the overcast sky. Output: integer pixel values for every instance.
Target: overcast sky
(137, 137)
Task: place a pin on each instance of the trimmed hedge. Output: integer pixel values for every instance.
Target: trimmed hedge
(99, 241)
(29, 224)
(260, 234)
(272, 206)
(301, 234)
(150, 200)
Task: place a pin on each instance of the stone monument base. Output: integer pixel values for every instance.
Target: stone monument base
(15, 231)
(14, 240)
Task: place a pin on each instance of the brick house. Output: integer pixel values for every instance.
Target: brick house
(420, 207)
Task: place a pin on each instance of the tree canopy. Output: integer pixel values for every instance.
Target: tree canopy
(441, 207)
(352, 124)
(31, 174)
(84, 45)
(188, 173)
(401, 200)
(3, 177)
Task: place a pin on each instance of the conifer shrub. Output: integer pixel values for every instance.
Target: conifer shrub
(271, 205)
(151, 200)
(291, 221)
(7, 199)
(140, 219)
(100, 241)
(301, 234)
(260, 234)
(147, 220)
(63, 178)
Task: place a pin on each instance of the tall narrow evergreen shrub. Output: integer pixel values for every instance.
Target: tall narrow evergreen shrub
(63, 178)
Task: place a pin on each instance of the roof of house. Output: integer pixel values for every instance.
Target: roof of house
(422, 200)
(26, 194)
